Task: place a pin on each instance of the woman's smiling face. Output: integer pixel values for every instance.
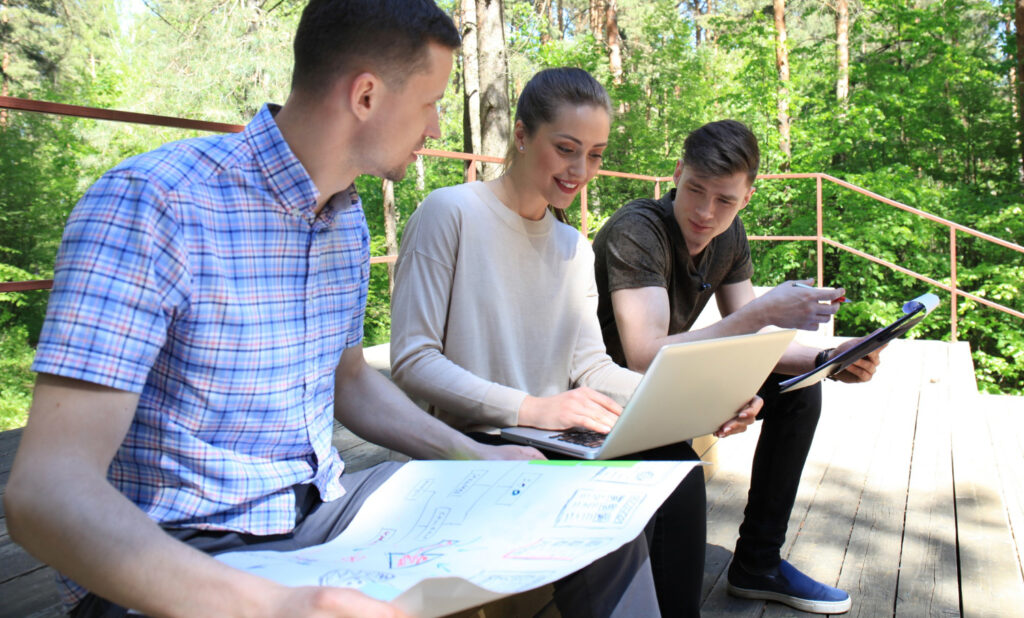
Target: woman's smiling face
(563, 155)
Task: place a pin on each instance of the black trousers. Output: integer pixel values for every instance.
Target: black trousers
(788, 424)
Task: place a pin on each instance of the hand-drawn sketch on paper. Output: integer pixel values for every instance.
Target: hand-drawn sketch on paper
(440, 536)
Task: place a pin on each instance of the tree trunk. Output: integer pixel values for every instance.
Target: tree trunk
(697, 30)
(494, 104)
(390, 229)
(611, 26)
(710, 35)
(5, 64)
(1019, 22)
(544, 12)
(597, 19)
(782, 63)
(843, 53)
(471, 84)
(561, 20)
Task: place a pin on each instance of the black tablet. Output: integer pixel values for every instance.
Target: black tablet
(913, 312)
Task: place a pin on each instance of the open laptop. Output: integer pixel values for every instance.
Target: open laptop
(689, 390)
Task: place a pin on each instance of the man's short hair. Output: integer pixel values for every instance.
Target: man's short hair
(722, 148)
(388, 37)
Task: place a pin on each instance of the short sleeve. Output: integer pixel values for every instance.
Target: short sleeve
(120, 280)
(634, 253)
(742, 266)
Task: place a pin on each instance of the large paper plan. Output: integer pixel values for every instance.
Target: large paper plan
(441, 536)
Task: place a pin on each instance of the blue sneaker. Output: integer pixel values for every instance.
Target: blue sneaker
(787, 585)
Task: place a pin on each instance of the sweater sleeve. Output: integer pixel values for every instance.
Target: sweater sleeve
(591, 365)
(419, 311)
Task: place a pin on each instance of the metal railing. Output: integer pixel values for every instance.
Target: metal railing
(820, 239)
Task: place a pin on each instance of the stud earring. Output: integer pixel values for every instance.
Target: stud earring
(522, 148)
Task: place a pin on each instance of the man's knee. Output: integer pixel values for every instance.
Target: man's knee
(803, 404)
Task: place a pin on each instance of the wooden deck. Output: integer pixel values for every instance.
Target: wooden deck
(912, 499)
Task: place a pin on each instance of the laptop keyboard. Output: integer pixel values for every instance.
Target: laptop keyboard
(583, 437)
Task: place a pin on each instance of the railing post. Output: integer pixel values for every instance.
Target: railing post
(952, 283)
(821, 258)
(583, 210)
(657, 189)
(471, 170)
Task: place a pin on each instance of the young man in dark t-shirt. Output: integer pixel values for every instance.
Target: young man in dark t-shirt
(658, 263)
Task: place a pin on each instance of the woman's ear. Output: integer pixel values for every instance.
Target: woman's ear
(519, 135)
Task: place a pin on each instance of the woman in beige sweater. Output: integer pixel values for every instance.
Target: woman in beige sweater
(494, 313)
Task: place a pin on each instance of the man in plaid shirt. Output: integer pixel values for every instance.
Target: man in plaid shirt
(206, 319)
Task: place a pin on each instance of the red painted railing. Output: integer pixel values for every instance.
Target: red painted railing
(819, 238)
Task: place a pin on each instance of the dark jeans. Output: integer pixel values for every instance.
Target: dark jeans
(675, 536)
(618, 585)
(787, 429)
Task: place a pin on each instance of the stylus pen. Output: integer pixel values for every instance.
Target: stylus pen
(841, 299)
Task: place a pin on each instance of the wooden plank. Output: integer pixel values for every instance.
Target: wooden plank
(14, 561)
(726, 498)
(990, 573)
(820, 546)
(365, 455)
(928, 574)
(34, 594)
(870, 567)
(726, 503)
(1006, 427)
(357, 453)
(8, 445)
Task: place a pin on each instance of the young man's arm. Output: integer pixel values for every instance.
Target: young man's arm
(375, 409)
(737, 298)
(642, 317)
(61, 508)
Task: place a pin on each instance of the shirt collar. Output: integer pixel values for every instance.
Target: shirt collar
(286, 177)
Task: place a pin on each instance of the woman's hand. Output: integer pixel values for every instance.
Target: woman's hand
(581, 407)
(742, 420)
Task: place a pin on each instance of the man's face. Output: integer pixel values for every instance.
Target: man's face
(705, 206)
(408, 115)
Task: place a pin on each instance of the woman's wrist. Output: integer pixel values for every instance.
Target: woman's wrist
(526, 411)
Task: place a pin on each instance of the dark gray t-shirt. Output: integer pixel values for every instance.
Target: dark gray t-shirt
(641, 246)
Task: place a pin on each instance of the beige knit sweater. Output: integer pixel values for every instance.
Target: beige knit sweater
(490, 307)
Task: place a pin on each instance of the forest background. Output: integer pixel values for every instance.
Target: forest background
(917, 100)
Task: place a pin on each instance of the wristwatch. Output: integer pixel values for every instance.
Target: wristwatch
(822, 358)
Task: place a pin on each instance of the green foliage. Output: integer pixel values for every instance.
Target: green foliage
(15, 376)
(929, 122)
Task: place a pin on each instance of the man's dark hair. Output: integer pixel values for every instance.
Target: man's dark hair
(722, 148)
(389, 37)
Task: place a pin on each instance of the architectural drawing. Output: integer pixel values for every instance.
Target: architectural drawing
(472, 531)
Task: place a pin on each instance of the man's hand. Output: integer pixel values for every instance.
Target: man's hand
(581, 407)
(325, 602)
(743, 419)
(791, 306)
(862, 370)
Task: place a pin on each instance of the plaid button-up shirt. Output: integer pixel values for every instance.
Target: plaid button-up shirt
(198, 276)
